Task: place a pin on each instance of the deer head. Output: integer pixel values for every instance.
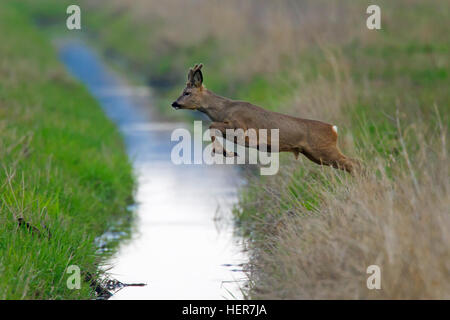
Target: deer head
(193, 94)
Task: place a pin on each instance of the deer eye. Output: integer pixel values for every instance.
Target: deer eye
(186, 93)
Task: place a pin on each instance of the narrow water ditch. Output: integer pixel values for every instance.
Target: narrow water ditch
(183, 245)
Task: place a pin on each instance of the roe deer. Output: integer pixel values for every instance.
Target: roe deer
(314, 139)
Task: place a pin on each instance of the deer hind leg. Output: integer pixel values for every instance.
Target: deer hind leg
(221, 127)
(331, 156)
(328, 153)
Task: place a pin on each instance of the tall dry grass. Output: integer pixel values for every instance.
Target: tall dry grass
(395, 220)
(316, 241)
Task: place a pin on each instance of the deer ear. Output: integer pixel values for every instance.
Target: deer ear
(197, 78)
(190, 74)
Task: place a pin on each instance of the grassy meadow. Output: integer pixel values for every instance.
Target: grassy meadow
(313, 230)
(64, 174)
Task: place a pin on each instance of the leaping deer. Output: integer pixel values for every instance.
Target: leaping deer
(314, 139)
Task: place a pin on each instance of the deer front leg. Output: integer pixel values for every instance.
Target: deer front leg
(217, 146)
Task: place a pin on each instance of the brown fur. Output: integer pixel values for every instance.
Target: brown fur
(314, 139)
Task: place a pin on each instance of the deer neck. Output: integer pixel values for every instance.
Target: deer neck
(214, 106)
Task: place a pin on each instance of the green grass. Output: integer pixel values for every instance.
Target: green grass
(63, 168)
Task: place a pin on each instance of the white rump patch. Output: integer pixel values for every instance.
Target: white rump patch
(335, 129)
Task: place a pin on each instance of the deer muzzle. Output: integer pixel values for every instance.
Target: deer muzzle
(176, 105)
